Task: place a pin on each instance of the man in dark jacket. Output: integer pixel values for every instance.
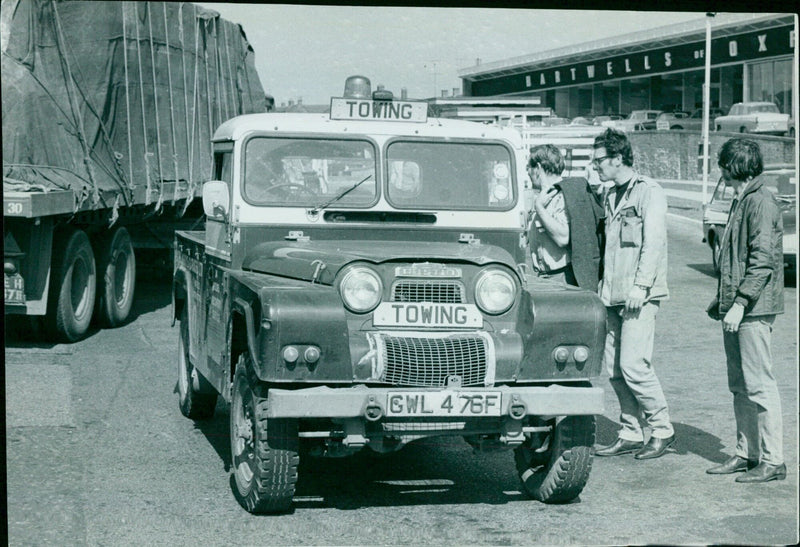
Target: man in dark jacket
(565, 231)
(749, 296)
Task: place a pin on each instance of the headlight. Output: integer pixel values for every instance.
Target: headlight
(495, 291)
(361, 289)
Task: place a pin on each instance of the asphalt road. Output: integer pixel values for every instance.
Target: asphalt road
(98, 453)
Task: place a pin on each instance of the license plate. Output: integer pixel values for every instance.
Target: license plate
(424, 314)
(444, 403)
(662, 125)
(14, 292)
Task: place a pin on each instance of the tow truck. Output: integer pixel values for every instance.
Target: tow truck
(364, 281)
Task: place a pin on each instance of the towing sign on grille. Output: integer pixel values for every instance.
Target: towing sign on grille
(424, 314)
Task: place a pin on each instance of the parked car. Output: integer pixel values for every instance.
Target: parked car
(693, 122)
(663, 120)
(554, 121)
(580, 120)
(634, 121)
(782, 180)
(604, 120)
(755, 117)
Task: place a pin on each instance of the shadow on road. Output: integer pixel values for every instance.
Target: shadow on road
(705, 269)
(688, 440)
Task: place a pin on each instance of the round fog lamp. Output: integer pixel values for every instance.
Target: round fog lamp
(580, 354)
(561, 355)
(290, 354)
(311, 354)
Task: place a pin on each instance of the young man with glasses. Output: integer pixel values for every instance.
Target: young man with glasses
(633, 285)
(749, 296)
(564, 240)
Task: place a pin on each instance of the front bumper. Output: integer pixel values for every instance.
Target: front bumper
(371, 403)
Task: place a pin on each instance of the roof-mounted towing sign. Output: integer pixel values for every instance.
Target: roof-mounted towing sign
(364, 109)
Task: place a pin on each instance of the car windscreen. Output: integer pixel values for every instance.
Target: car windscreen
(452, 175)
(309, 171)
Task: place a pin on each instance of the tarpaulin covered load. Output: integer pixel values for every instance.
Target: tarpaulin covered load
(117, 101)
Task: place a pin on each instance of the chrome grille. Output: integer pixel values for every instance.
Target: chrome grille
(429, 361)
(428, 290)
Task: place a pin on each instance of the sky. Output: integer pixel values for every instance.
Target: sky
(306, 52)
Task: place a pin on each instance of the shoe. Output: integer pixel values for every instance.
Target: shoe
(620, 446)
(732, 465)
(654, 448)
(764, 472)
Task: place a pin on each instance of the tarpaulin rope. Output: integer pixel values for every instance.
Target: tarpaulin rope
(115, 173)
(155, 102)
(208, 86)
(171, 105)
(141, 95)
(230, 71)
(127, 97)
(222, 92)
(75, 110)
(181, 34)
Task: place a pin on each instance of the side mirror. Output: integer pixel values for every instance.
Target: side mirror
(216, 199)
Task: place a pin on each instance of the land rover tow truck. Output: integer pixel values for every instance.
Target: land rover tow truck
(364, 281)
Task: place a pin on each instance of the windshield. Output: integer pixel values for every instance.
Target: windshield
(308, 172)
(427, 175)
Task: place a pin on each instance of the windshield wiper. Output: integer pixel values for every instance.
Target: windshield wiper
(319, 208)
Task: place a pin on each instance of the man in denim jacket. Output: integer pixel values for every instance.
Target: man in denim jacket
(633, 284)
(749, 296)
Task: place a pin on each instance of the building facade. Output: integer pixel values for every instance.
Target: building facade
(752, 59)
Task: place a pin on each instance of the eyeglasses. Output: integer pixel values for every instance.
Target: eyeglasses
(598, 161)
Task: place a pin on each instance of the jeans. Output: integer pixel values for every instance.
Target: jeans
(628, 361)
(756, 402)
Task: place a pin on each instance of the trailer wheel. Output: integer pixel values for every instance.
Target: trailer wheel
(116, 264)
(73, 287)
(264, 451)
(197, 399)
(555, 466)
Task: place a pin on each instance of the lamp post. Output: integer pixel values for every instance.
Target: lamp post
(706, 103)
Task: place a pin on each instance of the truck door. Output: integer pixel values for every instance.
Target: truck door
(215, 281)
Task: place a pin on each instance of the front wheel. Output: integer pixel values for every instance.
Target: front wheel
(264, 451)
(555, 466)
(715, 246)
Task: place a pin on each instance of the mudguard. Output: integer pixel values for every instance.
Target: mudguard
(553, 318)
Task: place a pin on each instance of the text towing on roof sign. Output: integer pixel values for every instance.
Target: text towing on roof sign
(360, 103)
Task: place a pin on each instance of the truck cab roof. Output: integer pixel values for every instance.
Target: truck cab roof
(240, 126)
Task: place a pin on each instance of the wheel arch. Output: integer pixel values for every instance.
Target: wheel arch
(180, 293)
(244, 318)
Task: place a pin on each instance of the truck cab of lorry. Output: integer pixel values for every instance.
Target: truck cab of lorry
(363, 281)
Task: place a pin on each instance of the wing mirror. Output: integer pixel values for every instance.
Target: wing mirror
(216, 199)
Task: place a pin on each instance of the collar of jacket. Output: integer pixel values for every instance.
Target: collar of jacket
(752, 186)
(631, 183)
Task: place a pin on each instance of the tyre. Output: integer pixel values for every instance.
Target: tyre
(197, 399)
(73, 286)
(264, 451)
(791, 132)
(743, 129)
(555, 466)
(116, 264)
(676, 127)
